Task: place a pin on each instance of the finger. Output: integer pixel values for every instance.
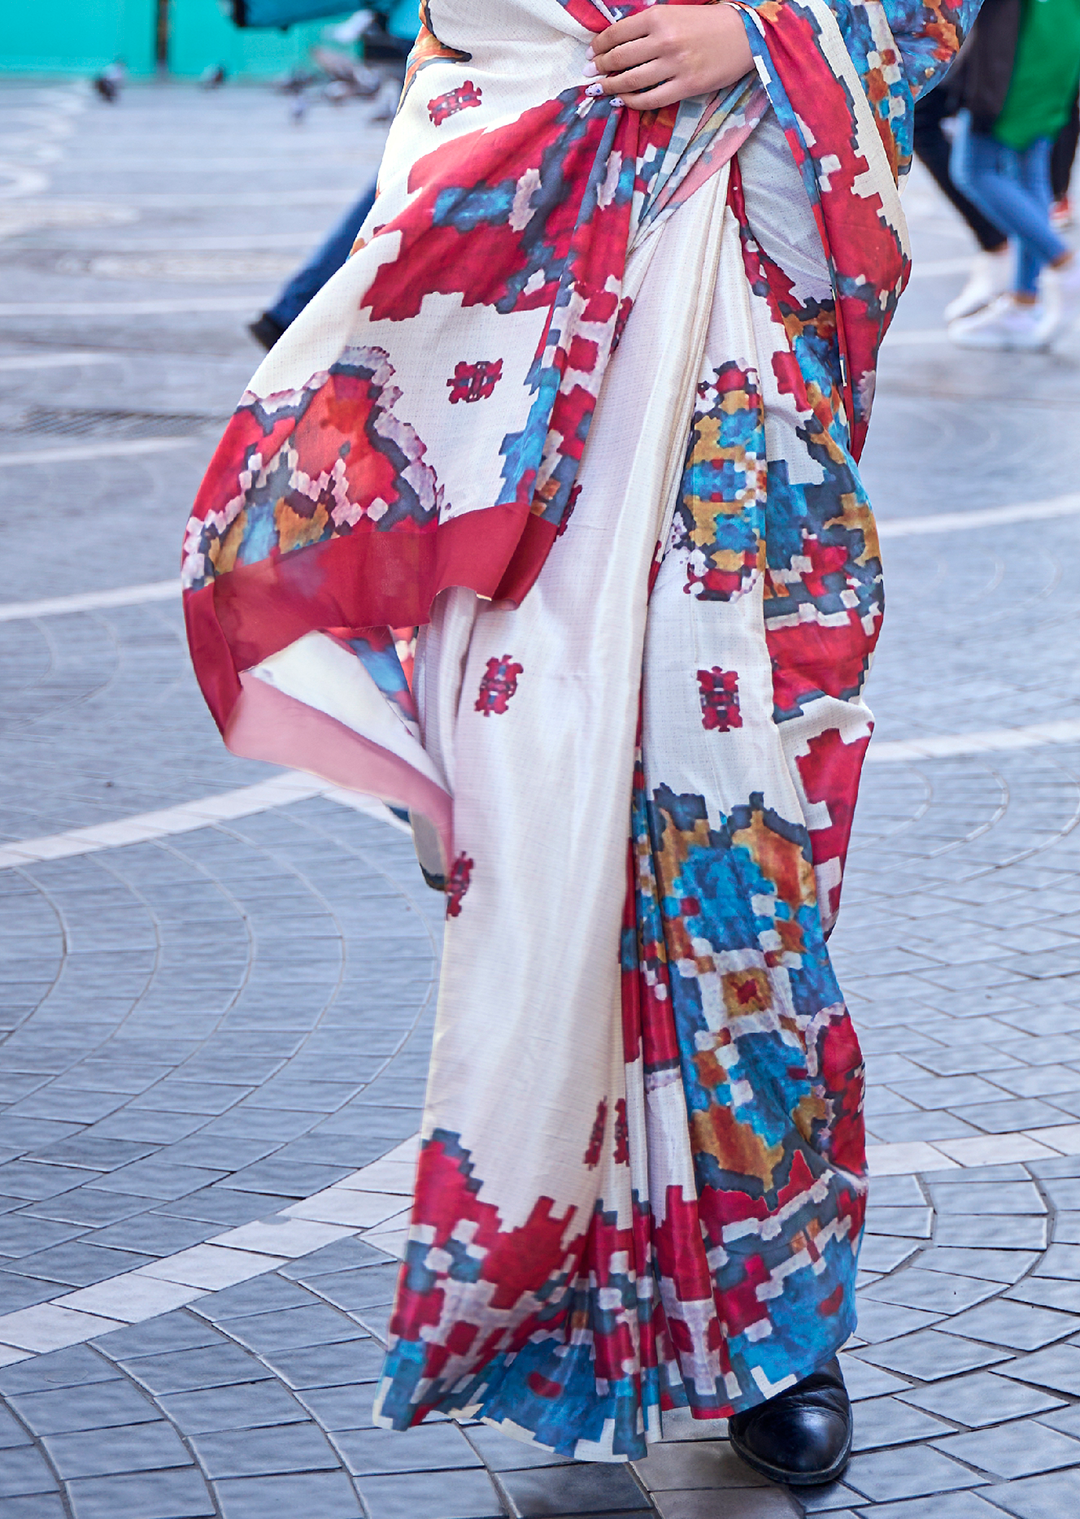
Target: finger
(626, 56)
(655, 99)
(646, 77)
(621, 31)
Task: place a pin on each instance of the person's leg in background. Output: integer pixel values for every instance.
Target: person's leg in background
(312, 276)
(1013, 188)
(992, 268)
(1062, 156)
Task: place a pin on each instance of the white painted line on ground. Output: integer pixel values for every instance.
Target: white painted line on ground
(166, 306)
(986, 741)
(915, 337)
(121, 448)
(993, 516)
(278, 791)
(924, 267)
(55, 360)
(91, 601)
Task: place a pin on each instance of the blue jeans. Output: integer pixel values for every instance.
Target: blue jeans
(1012, 188)
(325, 261)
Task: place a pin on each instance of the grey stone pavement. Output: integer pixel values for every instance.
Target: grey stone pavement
(213, 1037)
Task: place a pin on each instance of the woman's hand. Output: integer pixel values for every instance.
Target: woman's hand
(669, 53)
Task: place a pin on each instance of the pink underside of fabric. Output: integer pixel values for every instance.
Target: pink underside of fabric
(268, 725)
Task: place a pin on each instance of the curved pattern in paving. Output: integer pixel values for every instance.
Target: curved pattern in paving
(214, 1034)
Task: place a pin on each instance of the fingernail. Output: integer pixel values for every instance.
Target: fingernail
(589, 52)
(594, 90)
(589, 69)
(616, 100)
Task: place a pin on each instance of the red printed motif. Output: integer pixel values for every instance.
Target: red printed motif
(445, 106)
(596, 1138)
(718, 691)
(568, 512)
(474, 382)
(458, 884)
(498, 685)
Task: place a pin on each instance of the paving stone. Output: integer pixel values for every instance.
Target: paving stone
(579, 1489)
(222, 1206)
(364, 1287)
(500, 1453)
(76, 1366)
(329, 1365)
(342, 1255)
(90, 1206)
(930, 1355)
(254, 1297)
(881, 1422)
(144, 1447)
(178, 1330)
(1010, 1198)
(101, 1405)
(154, 1234)
(739, 1503)
(955, 1505)
(988, 1265)
(891, 1474)
(288, 1328)
(1052, 1496)
(831, 1498)
(1061, 1261)
(177, 1494)
(909, 1222)
(12, 1432)
(77, 1264)
(265, 1451)
(932, 1291)
(185, 1370)
(23, 1292)
(878, 1322)
(1056, 1368)
(23, 1470)
(430, 1447)
(1018, 1326)
(251, 1405)
(1048, 1293)
(990, 1231)
(1019, 1449)
(689, 1464)
(37, 1506)
(981, 1398)
(456, 1495)
(328, 1494)
(345, 1406)
(865, 1381)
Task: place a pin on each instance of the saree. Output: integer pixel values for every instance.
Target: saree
(543, 523)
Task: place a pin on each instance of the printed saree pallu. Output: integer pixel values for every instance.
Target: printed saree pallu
(584, 408)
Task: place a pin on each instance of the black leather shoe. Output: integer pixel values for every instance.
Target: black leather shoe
(803, 1435)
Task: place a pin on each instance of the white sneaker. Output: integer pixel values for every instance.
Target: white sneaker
(1062, 287)
(991, 276)
(1005, 323)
